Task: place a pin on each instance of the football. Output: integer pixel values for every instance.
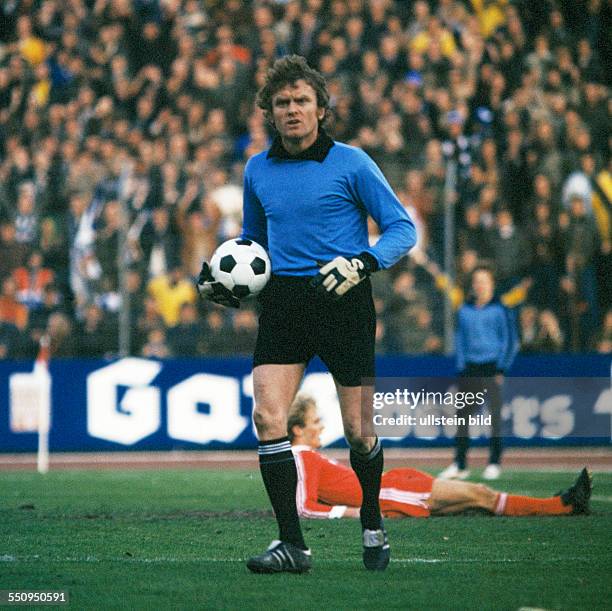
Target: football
(242, 266)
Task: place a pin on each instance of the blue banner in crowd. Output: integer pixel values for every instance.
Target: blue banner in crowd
(144, 404)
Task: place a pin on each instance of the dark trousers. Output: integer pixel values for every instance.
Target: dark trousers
(477, 377)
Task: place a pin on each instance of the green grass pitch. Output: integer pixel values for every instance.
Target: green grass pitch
(178, 540)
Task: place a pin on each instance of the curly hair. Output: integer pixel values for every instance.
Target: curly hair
(286, 71)
(297, 413)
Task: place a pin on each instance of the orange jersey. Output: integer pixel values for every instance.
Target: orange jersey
(30, 285)
(326, 488)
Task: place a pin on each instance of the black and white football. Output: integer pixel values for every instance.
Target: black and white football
(242, 266)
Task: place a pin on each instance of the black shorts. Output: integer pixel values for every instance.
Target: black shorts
(295, 325)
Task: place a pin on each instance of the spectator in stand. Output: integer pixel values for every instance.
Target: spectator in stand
(149, 319)
(107, 240)
(13, 254)
(509, 249)
(471, 235)
(153, 101)
(595, 114)
(159, 242)
(547, 257)
(216, 338)
(95, 336)
(26, 217)
(61, 338)
(170, 292)
(603, 340)
(54, 251)
(156, 345)
(10, 344)
(184, 339)
(39, 318)
(11, 309)
(580, 239)
(487, 201)
(400, 311)
(199, 228)
(136, 298)
(528, 329)
(579, 183)
(550, 337)
(31, 281)
(420, 337)
(244, 331)
(602, 210)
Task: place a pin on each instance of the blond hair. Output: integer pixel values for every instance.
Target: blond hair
(297, 413)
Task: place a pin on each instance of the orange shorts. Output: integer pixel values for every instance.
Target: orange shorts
(405, 493)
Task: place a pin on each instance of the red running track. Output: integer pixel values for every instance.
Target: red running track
(515, 459)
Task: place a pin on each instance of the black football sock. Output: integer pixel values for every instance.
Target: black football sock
(369, 468)
(462, 447)
(279, 474)
(495, 451)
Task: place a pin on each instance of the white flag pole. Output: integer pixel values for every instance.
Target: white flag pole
(41, 372)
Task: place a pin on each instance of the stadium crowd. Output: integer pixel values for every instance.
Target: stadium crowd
(125, 126)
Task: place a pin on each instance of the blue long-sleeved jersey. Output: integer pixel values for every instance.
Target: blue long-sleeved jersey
(305, 210)
(486, 334)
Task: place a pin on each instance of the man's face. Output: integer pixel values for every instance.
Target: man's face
(188, 313)
(577, 206)
(483, 285)
(295, 112)
(504, 219)
(312, 429)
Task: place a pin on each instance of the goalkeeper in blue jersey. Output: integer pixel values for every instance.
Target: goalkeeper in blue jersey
(307, 200)
(486, 343)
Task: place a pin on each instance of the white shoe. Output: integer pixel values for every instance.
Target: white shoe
(492, 471)
(454, 472)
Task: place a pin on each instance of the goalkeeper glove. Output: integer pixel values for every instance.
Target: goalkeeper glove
(340, 275)
(212, 290)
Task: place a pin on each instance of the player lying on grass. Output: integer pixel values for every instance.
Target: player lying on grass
(327, 489)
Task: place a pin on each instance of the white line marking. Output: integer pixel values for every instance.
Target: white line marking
(603, 499)
(163, 560)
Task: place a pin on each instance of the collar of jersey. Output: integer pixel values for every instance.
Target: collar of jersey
(300, 448)
(317, 151)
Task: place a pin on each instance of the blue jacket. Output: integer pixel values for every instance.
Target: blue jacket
(486, 334)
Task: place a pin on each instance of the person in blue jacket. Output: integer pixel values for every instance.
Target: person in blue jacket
(486, 343)
(307, 200)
